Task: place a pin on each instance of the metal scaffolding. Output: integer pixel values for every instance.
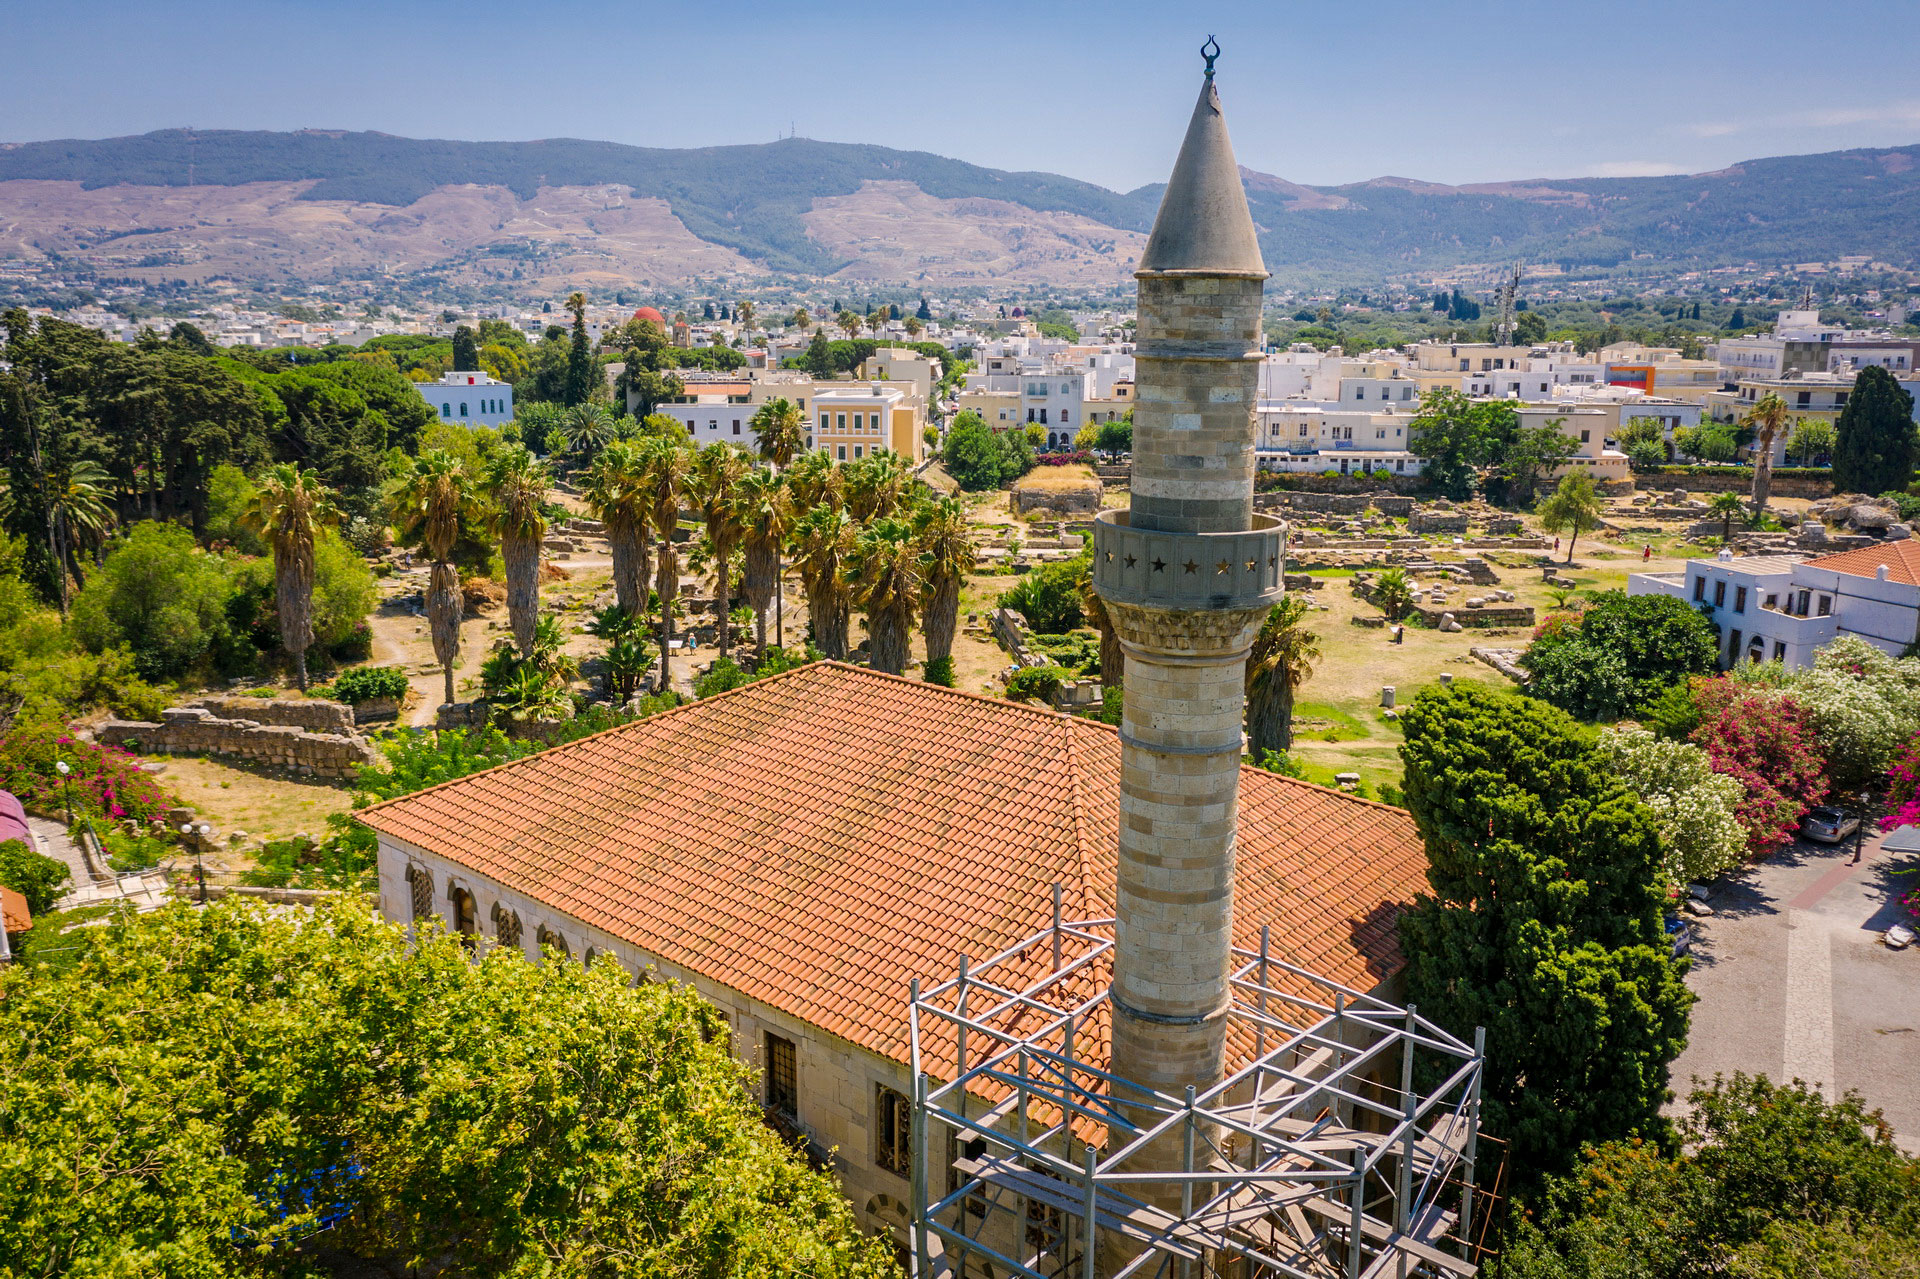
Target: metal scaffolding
(1341, 1144)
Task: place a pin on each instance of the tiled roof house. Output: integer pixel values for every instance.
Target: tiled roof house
(800, 848)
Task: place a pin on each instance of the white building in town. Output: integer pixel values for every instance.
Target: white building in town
(1781, 608)
(470, 398)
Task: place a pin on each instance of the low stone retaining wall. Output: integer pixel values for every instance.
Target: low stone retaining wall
(1482, 618)
(312, 714)
(196, 730)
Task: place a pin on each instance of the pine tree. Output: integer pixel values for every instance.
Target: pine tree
(925, 312)
(581, 368)
(1875, 448)
(1544, 926)
(466, 352)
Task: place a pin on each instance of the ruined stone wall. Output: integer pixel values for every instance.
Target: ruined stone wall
(314, 715)
(196, 730)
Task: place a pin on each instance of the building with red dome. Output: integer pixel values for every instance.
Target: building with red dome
(648, 313)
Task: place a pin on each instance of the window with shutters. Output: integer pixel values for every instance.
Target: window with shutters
(893, 1128)
(783, 1076)
(420, 884)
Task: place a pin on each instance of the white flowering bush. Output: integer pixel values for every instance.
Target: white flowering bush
(1699, 834)
(1863, 706)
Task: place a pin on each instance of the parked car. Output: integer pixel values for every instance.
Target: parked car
(1680, 933)
(1828, 825)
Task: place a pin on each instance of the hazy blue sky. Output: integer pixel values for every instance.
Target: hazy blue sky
(1322, 93)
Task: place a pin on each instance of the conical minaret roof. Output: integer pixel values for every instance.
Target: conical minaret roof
(1203, 225)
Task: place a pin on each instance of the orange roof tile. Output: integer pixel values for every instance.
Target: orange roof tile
(1901, 558)
(816, 840)
(14, 915)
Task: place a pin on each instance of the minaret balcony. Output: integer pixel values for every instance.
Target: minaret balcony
(1195, 571)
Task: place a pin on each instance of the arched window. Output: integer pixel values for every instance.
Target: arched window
(421, 885)
(593, 953)
(446, 410)
(550, 940)
(463, 408)
(466, 913)
(506, 926)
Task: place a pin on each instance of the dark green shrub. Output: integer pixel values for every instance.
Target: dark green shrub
(41, 880)
(940, 671)
(1034, 683)
(365, 683)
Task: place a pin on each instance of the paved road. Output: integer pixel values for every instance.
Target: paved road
(1793, 981)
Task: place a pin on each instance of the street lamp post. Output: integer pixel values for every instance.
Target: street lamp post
(66, 786)
(197, 836)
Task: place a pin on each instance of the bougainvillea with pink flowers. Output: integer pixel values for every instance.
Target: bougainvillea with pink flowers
(105, 780)
(1903, 788)
(1767, 745)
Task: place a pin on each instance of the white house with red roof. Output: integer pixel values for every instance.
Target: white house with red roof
(1781, 608)
(471, 398)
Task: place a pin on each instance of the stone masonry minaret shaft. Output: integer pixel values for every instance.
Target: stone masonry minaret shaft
(1187, 575)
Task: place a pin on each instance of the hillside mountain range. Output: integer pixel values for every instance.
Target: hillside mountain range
(317, 204)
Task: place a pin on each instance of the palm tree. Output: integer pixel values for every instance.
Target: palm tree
(666, 477)
(1726, 506)
(79, 512)
(779, 431)
(1283, 656)
(814, 480)
(577, 303)
(589, 427)
(1393, 592)
(718, 472)
(877, 319)
(822, 538)
(765, 515)
(945, 543)
(1768, 420)
(615, 494)
(801, 319)
(912, 325)
(289, 509)
(884, 577)
(429, 504)
(877, 485)
(850, 321)
(516, 485)
(743, 312)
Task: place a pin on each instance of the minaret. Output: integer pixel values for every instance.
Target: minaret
(1187, 576)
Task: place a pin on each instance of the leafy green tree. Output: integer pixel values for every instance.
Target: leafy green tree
(1544, 925)
(1531, 453)
(1529, 328)
(466, 352)
(971, 455)
(162, 597)
(1812, 437)
(1281, 661)
(1875, 446)
(493, 1117)
(1693, 804)
(1456, 435)
(1623, 652)
(818, 359)
(1774, 1182)
(1574, 508)
(1116, 436)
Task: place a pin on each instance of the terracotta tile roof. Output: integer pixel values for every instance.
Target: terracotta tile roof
(815, 840)
(1901, 558)
(14, 915)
